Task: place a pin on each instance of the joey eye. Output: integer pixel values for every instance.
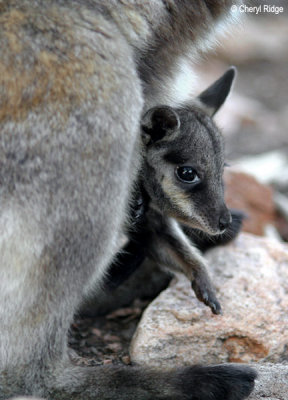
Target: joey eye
(187, 174)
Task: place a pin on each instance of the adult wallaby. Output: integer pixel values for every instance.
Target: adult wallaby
(75, 78)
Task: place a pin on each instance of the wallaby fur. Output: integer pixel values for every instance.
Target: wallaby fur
(75, 78)
(184, 137)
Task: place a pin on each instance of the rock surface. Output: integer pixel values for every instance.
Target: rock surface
(272, 382)
(245, 193)
(251, 279)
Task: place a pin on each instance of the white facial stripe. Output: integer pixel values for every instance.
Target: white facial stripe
(184, 204)
(177, 197)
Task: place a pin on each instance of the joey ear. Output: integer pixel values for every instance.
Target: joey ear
(215, 95)
(159, 122)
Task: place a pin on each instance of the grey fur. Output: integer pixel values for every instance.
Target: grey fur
(198, 143)
(75, 76)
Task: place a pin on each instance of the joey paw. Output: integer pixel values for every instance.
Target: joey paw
(205, 293)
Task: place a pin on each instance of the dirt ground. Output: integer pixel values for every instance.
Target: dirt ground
(106, 339)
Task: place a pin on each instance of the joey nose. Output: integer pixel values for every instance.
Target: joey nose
(224, 221)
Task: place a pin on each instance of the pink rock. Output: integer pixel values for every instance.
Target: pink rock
(251, 279)
(244, 192)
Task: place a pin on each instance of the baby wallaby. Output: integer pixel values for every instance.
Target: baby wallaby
(180, 185)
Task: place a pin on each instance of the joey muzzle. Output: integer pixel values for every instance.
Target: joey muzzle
(225, 219)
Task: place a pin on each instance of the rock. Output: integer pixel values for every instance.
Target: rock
(251, 279)
(281, 223)
(268, 168)
(281, 202)
(244, 192)
(272, 382)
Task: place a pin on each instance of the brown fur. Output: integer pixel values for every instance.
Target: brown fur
(62, 73)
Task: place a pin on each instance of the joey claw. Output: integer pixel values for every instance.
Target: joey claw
(216, 307)
(206, 295)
